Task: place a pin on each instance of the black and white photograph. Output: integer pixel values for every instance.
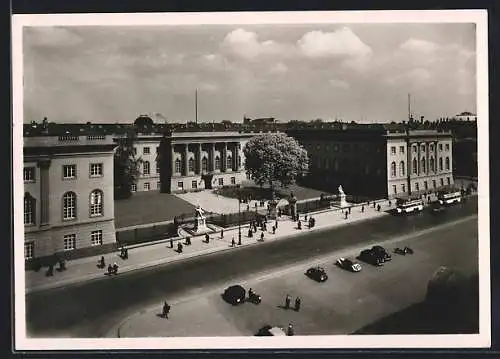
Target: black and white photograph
(209, 180)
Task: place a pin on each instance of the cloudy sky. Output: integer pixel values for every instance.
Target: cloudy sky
(357, 72)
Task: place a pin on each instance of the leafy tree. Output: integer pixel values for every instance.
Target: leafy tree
(275, 157)
(126, 166)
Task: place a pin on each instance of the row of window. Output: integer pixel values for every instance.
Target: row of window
(96, 206)
(146, 150)
(146, 168)
(69, 243)
(346, 147)
(417, 185)
(194, 183)
(146, 186)
(204, 164)
(68, 172)
(422, 166)
(422, 148)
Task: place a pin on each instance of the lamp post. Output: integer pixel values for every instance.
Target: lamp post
(239, 216)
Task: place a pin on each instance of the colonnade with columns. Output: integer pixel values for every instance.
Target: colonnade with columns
(199, 158)
(429, 151)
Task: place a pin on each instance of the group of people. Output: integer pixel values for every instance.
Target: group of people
(50, 269)
(112, 268)
(311, 222)
(288, 300)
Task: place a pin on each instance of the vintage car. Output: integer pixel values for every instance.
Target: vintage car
(317, 273)
(234, 294)
(347, 264)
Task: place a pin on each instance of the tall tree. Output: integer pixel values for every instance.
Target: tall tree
(126, 165)
(275, 158)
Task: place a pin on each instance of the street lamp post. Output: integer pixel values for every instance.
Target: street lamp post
(239, 216)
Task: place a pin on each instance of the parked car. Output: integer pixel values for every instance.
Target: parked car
(268, 330)
(370, 257)
(347, 264)
(380, 251)
(403, 251)
(234, 294)
(317, 273)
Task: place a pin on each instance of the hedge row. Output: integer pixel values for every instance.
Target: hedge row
(144, 235)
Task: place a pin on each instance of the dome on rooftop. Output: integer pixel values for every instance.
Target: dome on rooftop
(143, 121)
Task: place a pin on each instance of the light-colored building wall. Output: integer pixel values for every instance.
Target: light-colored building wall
(48, 155)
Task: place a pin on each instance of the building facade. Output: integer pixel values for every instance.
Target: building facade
(420, 161)
(377, 162)
(191, 161)
(68, 194)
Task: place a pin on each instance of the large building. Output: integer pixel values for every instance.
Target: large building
(377, 160)
(68, 193)
(192, 161)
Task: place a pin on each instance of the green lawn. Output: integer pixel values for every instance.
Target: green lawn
(149, 207)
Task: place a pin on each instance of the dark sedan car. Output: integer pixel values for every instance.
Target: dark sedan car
(234, 294)
(370, 257)
(380, 251)
(347, 264)
(317, 273)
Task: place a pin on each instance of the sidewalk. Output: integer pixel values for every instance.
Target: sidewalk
(157, 253)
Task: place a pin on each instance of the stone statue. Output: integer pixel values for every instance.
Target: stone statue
(199, 212)
(341, 191)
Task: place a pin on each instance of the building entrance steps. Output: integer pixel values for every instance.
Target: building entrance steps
(160, 252)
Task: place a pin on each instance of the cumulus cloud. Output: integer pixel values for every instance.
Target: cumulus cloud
(338, 84)
(417, 45)
(342, 42)
(246, 44)
(414, 77)
(279, 68)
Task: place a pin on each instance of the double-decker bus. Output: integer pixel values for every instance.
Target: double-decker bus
(409, 205)
(449, 197)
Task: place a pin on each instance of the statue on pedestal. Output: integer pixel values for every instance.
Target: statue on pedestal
(343, 202)
(292, 202)
(199, 222)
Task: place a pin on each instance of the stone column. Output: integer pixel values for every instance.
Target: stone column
(198, 160)
(436, 160)
(418, 158)
(212, 162)
(427, 145)
(44, 166)
(224, 158)
(172, 157)
(186, 163)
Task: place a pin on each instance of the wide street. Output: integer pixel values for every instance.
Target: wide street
(91, 309)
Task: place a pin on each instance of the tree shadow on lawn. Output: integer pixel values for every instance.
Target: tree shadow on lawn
(255, 192)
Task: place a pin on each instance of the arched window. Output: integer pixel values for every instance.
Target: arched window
(447, 163)
(440, 163)
(229, 162)
(191, 164)
(204, 164)
(431, 147)
(393, 169)
(402, 168)
(177, 166)
(146, 168)
(96, 203)
(431, 164)
(217, 163)
(69, 205)
(29, 209)
(415, 165)
(422, 164)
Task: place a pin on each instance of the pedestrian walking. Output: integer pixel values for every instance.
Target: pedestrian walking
(171, 243)
(179, 247)
(276, 224)
(221, 233)
(374, 204)
(299, 224)
(362, 208)
(310, 223)
(305, 217)
(166, 310)
(288, 299)
(262, 236)
(297, 304)
(102, 263)
(346, 214)
(50, 271)
(274, 230)
(233, 243)
(289, 330)
(349, 210)
(378, 207)
(110, 269)
(250, 233)
(115, 268)
(207, 238)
